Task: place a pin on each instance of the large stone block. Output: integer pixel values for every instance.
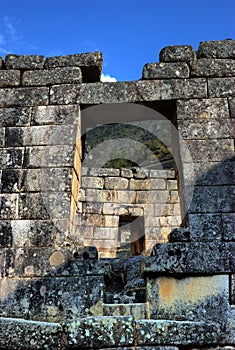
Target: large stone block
(205, 227)
(221, 87)
(55, 115)
(8, 206)
(191, 258)
(164, 332)
(11, 157)
(96, 332)
(21, 97)
(67, 75)
(197, 109)
(17, 333)
(116, 183)
(228, 222)
(24, 62)
(6, 234)
(212, 199)
(9, 78)
(189, 298)
(217, 49)
(199, 129)
(213, 68)
(165, 70)
(15, 116)
(90, 64)
(180, 53)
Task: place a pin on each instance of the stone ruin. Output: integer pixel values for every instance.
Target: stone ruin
(94, 257)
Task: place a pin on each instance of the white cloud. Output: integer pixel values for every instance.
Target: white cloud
(107, 78)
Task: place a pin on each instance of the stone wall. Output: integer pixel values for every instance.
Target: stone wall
(54, 214)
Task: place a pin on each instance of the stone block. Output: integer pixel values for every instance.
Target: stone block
(2, 137)
(11, 157)
(199, 129)
(228, 223)
(95, 195)
(115, 183)
(104, 172)
(180, 53)
(49, 156)
(95, 208)
(126, 173)
(6, 234)
(42, 115)
(8, 206)
(90, 64)
(106, 233)
(231, 101)
(35, 233)
(165, 70)
(15, 116)
(20, 97)
(216, 49)
(212, 199)
(143, 90)
(92, 182)
(205, 227)
(116, 331)
(67, 75)
(189, 298)
(139, 184)
(29, 335)
(190, 258)
(212, 108)
(221, 87)
(9, 78)
(164, 332)
(204, 174)
(200, 151)
(207, 67)
(127, 197)
(24, 62)
(162, 174)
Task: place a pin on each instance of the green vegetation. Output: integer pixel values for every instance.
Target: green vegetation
(155, 147)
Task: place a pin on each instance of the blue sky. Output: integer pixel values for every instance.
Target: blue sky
(130, 33)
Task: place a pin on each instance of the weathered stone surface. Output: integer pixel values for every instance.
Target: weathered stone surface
(42, 115)
(190, 258)
(92, 182)
(205, 227)
(181, 53)
(153, 332)
(24, 62)
(24, 96)
(205, 174)
(208, 150)
(8, 206)
(104, 172)
(67, 75)
(116, 183)
(11, 157)
(165, 70)
(129, 92)
(206, 67)
(9, 78)
(137, 310)
(5, 234)
(216, 49)
(90, 64)
(213, 108)
(16, 333)
(15, 116)
(199, 129)
(189, 298)
(212, 199)
(231, 101)
(228, 222)
(221, 87)
(85, 333)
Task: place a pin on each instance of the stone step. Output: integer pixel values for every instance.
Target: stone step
(137, 310)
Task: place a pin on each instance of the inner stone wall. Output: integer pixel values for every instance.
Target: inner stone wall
(106, 195)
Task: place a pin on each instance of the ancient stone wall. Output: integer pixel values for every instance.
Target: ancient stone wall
(60, 287)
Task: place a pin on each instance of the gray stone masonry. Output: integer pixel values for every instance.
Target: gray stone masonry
(118, 259)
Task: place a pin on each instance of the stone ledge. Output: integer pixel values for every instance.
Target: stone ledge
(24, 334)
(191, 258)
